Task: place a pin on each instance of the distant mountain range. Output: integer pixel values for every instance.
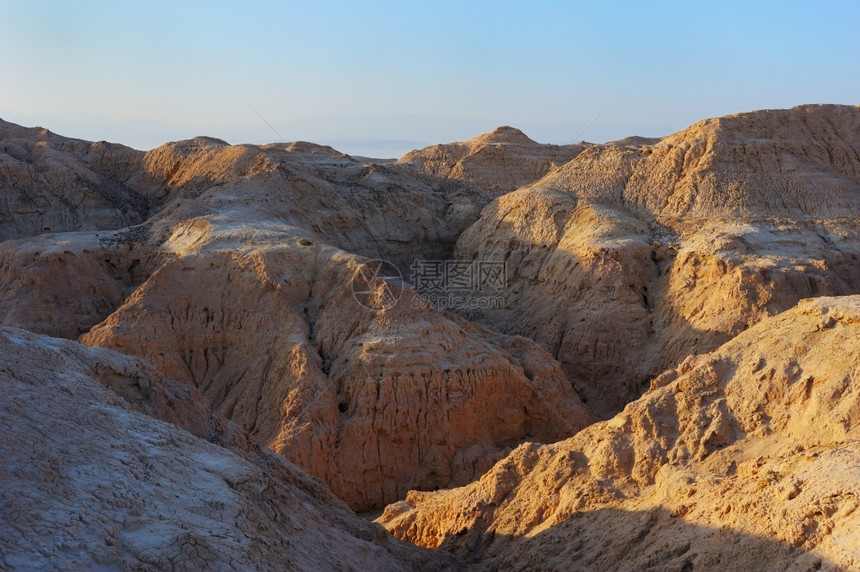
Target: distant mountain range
(369, 135)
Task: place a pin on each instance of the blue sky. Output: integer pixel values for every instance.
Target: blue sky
(378, 78)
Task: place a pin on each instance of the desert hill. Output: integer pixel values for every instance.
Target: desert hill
(243, 283)
(739, 459)
(56, 184)
(503, 160)
(628, 258)
(91, 482)
(240, 284)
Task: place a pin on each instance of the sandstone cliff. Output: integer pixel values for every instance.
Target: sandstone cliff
(738, 459)
(230, 272)
(372, 402)
(630, 257)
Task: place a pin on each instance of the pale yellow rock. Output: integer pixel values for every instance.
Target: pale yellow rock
(623, 261)
(630, 257)
(800, 162)
(742, 458)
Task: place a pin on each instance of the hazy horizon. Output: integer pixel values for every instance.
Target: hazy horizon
(347, 133)
(384, 78)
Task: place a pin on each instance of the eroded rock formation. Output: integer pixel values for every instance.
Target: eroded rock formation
(239, 283)
(630, 257)
(372, 402)
(89, 481)
(228, 275)
(56, 184)
(501, 160)
(746, 456)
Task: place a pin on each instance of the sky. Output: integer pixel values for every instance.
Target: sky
(381, 78)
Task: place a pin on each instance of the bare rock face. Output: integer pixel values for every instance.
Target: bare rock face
(757, 164)
(575, 285)
(239, 285)
(51, 183)
(430, 399)
(88, 482)
(234, 279)
(380, 211)
(63, 284)
(754, 445)
(630, 257)
(143, 388)
(372, 402)
(501, 160)
(731, 275)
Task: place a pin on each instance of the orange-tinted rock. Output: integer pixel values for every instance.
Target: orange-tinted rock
(372, 402)
(623, 261)
(755, 445)
(631, 257)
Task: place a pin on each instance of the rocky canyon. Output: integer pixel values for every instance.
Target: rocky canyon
(486, 355)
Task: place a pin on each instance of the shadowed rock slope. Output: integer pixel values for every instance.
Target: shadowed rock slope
(90, 482)
(754, 445)
(241, 277)
(501, 160)
(240, 283)
(52, 183)
(630, 257)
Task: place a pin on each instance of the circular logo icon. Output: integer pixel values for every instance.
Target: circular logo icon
(377, 285)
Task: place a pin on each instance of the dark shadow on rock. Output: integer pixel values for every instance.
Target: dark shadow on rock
(604, 289)
(612, 539)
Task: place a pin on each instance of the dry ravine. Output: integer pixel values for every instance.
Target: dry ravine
(643, 354)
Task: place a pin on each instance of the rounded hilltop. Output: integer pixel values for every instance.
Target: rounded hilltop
(661, 372)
